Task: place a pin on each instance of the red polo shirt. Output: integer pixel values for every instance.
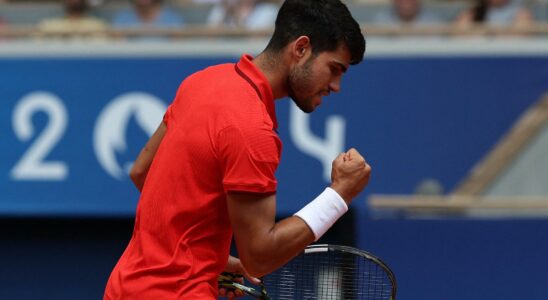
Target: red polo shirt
(220, 137)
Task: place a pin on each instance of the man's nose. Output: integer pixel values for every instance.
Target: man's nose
(335, 85)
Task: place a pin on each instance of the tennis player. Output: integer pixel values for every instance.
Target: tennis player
(207, 173)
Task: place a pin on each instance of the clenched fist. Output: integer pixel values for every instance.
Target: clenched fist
(349, 174)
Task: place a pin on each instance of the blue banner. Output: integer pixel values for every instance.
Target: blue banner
(71, 127)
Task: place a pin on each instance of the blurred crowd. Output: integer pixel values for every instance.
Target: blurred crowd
(96, 17)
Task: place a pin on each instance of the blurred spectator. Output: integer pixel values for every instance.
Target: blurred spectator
(75, 21)
(204, 1)
(406, 12)
(496, 12)
(249, 14)
(148, 14)
(2, 24)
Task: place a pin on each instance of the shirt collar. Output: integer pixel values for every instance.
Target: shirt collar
(258, 81)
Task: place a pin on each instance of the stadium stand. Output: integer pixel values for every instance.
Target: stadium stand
(21, 17)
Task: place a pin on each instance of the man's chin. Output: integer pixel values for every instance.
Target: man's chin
(307, 109)
(305, 106)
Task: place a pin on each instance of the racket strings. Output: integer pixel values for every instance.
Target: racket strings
(330, 275)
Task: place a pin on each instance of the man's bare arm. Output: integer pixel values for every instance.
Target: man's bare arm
(140, 167)
(264, 245)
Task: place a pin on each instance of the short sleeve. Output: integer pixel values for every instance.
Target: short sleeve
(249, 159)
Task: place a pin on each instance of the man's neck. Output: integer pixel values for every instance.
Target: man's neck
(275, 70)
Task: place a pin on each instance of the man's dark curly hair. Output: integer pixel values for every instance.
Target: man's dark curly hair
(327, 23)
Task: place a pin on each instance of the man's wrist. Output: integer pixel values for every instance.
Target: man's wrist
(322, 212)
(342, 193)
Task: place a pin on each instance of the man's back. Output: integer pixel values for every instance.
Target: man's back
(182, 231)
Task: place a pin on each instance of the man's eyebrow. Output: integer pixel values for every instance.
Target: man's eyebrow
(341, 65)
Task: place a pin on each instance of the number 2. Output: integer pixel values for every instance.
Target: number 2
(32, 165)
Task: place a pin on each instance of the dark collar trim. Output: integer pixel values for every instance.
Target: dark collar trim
(244, 76)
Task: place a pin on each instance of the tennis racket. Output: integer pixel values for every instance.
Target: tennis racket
(325, 272)
(234, 282)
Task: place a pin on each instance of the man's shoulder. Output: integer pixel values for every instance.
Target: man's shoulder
(223, 69)
(223, 76)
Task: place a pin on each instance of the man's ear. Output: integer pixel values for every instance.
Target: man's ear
(301, 47)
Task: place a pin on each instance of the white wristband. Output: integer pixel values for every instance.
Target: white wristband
(321, 213)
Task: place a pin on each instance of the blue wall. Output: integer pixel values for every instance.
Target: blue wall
(413, 118)
(462, 259)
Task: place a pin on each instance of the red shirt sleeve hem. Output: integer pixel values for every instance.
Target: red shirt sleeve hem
(249, 188)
